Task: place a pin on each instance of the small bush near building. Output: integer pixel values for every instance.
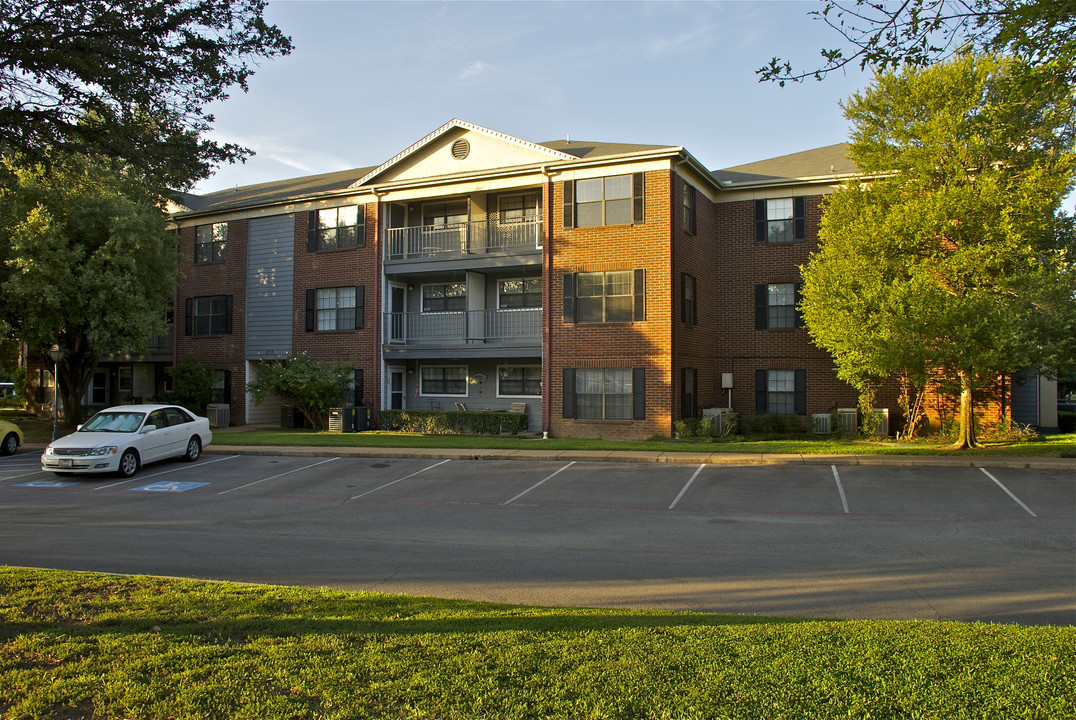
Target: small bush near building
(452, 422)
(772, 424)
(1066, 421)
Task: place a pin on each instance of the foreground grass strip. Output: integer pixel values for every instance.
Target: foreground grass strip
(76, 645)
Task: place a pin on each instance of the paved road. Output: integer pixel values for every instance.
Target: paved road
(995, 544)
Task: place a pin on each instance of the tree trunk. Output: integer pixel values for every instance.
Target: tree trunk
(966, 435)
(76, 371)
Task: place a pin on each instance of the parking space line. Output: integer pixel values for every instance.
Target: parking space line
(406, 477)
(278, 475)
(686, 486)
(539, 483)
(840, 489)
(1009, 493)
(140, 478)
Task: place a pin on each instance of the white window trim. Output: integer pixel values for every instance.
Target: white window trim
(466, 381)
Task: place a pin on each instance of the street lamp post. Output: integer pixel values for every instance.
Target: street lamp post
(57, 354)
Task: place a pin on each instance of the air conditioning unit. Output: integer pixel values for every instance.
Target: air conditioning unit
(820, 424)
(848, 420)
(718, 414)
(336, 420)
(219, 414)
(882, 428)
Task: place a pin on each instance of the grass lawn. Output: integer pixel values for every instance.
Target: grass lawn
(1046, 446)
(76, 645)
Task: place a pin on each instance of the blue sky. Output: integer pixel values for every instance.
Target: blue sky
(367, 79)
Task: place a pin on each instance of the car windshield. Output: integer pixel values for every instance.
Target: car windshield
(120, 422)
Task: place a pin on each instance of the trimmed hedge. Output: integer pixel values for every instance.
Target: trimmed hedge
(1066, 421)
(453, 422)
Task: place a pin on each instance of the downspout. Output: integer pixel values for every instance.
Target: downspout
(547, 294)
(379, 283)
(673, 305)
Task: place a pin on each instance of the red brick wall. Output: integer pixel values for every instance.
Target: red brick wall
(644, 344)
(226, 277)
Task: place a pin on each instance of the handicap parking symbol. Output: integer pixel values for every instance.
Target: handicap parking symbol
(169, 487)
(48, 483)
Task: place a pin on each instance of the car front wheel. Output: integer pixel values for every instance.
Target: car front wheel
(194, 449)
(10, 445)
(129, 463)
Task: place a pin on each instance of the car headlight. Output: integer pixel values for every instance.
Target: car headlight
(107, 450)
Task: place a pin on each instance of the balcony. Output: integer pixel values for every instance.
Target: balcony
(472, 329)
(431, 242)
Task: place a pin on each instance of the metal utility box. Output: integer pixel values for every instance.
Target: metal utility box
(352, 418)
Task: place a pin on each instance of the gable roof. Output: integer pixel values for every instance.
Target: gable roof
(454, 124)
(825, 163)
(271, 192)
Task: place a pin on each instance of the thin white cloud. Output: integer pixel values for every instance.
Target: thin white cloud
(473, 70)
(663, 46)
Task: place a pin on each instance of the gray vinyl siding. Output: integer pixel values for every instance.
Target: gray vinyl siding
(270, 277)
(1025, 398)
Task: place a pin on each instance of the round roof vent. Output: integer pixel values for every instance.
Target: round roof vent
(460, 149)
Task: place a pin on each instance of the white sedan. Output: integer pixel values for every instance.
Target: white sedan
(122, 439)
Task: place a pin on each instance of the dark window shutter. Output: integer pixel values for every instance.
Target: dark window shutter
(638, 393)
(638, 205)
(569, 203)
(569, 297)
(762, 309)
(799, 216)
(800, 379)
(568, 393)
(796, 299)
(689, 405)
(188, 319)
(312, 231)
(639, 313)
(227, 314)
(360, 306)
(760, 221)
(310, 311)
(357, 381)
(760, 391)
(360, 231)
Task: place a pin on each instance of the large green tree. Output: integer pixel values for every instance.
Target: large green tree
(888, 35)
(127, 79)
(86, 261)
(950, 256)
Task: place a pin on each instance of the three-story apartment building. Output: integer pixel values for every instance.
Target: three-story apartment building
(611, 288)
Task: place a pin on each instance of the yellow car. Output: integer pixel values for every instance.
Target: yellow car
(10, 437)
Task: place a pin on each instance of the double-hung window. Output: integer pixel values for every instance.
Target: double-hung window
(689, 303)
(339, 308)
(775, 306)
(605, 297)
(210, 315)
(444, 297)
(781, 392)
(220, 389)
(613, 200)
(687, 209)
(519, 293)
(444, 380)
(210, 242)
(518, 381)
(780, 220)
(337, 228)
(604, 393)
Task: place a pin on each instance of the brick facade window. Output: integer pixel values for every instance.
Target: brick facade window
(444, 380)
(337, 228)
(689, 303)
(210, 242)
(687, 210)
(780, 220)
(613, 200)
(689, 396)
(210, 315)
(605, 297)
(776, 306)
(339, 308)
(220, 391)
(605, 393)
(781, 392)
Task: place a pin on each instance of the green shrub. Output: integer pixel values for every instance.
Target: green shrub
(192, 385)
(772, 424)
(452, 422)
(1066, 421)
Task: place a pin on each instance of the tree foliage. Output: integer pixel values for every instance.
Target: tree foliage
(950, 256)
(920, 32)
(312, 386)
(128, 79)
(86, 262)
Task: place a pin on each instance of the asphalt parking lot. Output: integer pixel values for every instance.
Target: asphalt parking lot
(969, 543)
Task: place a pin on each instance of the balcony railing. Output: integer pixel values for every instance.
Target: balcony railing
(433, 242)
(520, 327)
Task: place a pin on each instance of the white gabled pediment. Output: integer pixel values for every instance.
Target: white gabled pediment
(459, 147)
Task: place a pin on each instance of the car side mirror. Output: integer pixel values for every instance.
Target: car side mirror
(148, 429)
